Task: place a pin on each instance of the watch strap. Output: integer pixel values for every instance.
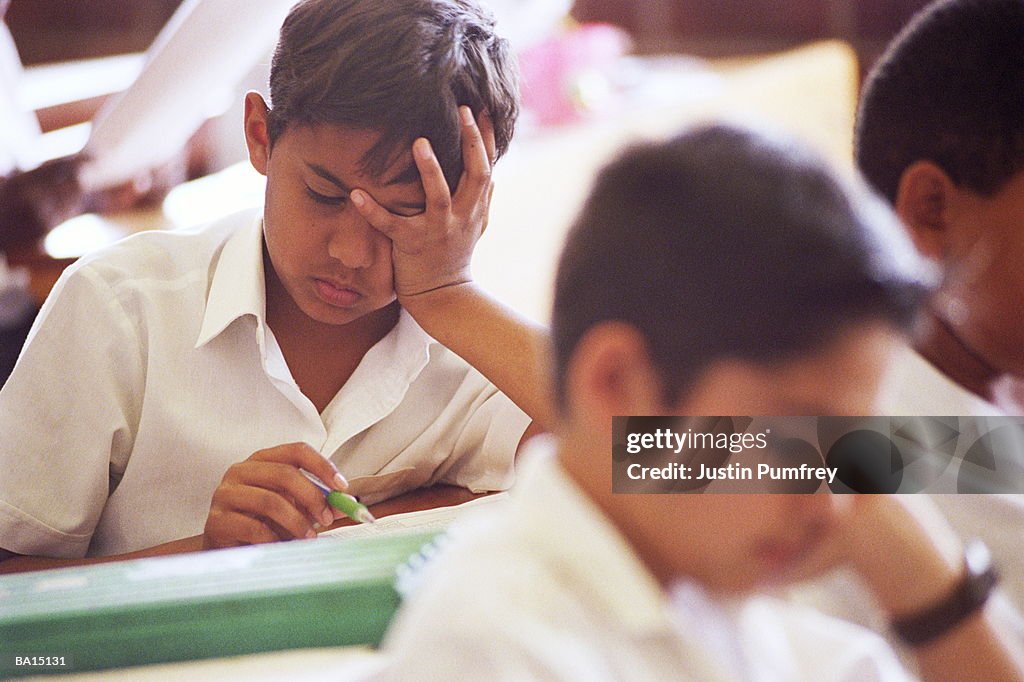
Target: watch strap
(970, 594)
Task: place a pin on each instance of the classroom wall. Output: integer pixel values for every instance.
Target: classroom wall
(720, 27)
(49, 30)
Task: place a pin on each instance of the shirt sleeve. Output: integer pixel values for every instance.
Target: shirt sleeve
(68, 415)
(483, 457)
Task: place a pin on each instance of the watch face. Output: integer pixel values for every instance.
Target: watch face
(977, 557)
(981, 574)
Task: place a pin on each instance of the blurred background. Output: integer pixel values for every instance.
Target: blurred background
(51, 30)
(152, 91)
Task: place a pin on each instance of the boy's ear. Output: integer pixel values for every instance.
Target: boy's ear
(922, 202)
(257, 135)
(610, 373)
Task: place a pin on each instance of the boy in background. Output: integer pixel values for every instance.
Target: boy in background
(175, 385)
(940, 134)
(662, 306)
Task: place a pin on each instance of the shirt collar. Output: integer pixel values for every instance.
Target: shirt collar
(577, 534)
(380, 381)
(238, 287)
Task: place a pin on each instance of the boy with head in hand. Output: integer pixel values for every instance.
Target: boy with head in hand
(177, 386)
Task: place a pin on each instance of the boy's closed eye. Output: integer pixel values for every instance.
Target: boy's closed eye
(323, 178)
(328, 200)
(404, 210)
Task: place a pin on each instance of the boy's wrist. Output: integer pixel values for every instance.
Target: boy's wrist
(439, 299)
(908, 595)
(422, 291)
(906, 554)
(968, 596)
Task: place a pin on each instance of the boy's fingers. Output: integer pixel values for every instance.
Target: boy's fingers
(278, 479)
(486, 126)
(476, 174)
(439, 199)
(278, 469)
(380, 219)
(303, 456)
(261, 503)
(231, 528)
(487, 209)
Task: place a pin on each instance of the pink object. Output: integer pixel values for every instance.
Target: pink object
(554, 70)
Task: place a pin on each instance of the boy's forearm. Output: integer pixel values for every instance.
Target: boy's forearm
(16, 563)
(508, 349)
(911, 562)
(976, 649)
(973, 649)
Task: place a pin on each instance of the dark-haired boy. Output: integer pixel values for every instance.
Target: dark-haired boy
(940, 134)
(662, 306)
(175, 385)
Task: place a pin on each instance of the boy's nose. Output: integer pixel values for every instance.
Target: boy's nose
(352, 240)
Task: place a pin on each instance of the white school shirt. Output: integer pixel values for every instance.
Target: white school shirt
(150, 370)
(546, 588)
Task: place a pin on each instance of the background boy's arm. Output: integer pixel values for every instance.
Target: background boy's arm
(432, 253)
(910, 559)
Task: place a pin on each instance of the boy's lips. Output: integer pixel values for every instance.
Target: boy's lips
(337, 295)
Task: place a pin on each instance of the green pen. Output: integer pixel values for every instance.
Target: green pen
(343, 502)
(350, 506)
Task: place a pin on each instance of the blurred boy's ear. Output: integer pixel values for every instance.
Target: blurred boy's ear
(610, 373)
(257, 136)
(922, 202)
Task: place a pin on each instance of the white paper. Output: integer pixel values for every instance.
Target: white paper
(19, 129)
(192, 71)
(422, 521)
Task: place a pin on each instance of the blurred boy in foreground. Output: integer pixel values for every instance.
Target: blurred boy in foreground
(718, 273)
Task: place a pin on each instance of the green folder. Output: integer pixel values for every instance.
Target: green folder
(313, 593)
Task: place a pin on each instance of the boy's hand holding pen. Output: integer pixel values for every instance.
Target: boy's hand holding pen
(271, 496)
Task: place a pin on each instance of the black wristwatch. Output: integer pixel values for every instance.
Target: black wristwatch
(969, 595)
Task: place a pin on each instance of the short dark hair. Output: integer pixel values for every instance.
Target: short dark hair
(949, 89)
(401, 67)
(722, 243)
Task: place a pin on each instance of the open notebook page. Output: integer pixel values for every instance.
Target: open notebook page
(424, 520)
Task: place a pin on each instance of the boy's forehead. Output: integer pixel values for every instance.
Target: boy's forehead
(345, 152)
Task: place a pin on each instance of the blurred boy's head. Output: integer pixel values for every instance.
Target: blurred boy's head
(352, 84)
(723, 273)
(940, 133)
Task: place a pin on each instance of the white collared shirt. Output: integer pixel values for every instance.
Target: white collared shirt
(150, 370)
(547, 589)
